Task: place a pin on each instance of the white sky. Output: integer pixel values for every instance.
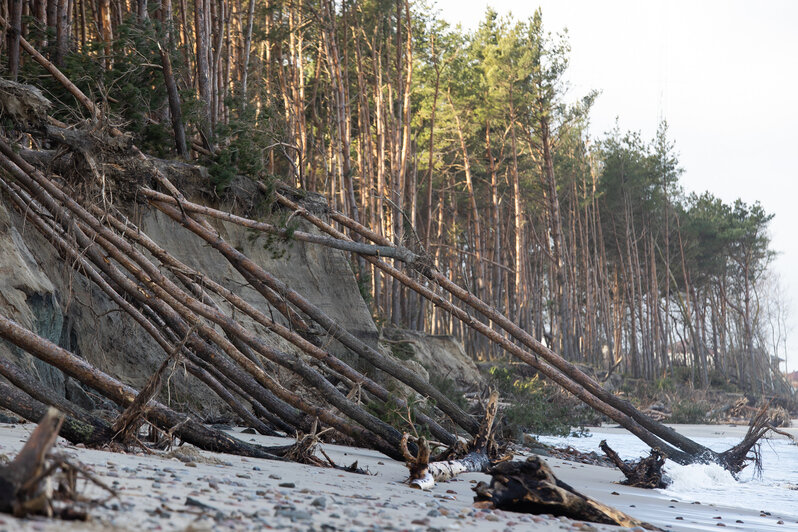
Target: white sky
(724, 74)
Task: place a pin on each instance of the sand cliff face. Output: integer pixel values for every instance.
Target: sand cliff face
(41, 292)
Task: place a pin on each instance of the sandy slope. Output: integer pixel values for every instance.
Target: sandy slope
(249, 494)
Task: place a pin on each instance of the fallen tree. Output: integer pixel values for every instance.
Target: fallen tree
(107, 253)
(166, 311)
(655, 434)
(475, 457)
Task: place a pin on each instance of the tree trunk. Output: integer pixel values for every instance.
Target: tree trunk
(13, 34)
(172, 93)
(203, 69)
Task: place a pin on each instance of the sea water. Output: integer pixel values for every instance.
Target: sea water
(775, 486)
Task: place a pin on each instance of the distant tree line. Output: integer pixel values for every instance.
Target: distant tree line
(463, 144)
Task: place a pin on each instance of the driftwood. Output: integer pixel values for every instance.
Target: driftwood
(643, 473)
(22, 490)
(474, 458)
(26, 485)
(531, 487)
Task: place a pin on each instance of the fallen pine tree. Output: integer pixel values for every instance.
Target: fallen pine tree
(655, 434)
(168, 312)
(109, 256)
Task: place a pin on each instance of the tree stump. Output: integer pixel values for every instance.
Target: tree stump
(644, 473)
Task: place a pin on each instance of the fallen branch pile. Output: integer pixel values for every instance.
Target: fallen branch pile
(179, 307)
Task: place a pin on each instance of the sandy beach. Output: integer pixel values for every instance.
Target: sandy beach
(191, 490)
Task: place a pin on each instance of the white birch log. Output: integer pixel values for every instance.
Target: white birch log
(475, 462)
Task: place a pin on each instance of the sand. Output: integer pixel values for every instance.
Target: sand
(207, 491)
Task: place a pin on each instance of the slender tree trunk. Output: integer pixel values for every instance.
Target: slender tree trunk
(518, 288)
(477, 232)
(171, 87)
(431, 159)
(203, 69)
(247, 49)
(106, 31)
(13, 34)
(555, 221)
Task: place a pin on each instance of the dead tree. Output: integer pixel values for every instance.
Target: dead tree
(178, 309)
(531, 487)
(92, 432)
(165, 418)
(643, 473)
(543, 359)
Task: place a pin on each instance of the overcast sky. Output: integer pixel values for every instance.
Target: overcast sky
(724, 74)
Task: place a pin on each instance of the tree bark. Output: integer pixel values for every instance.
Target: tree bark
(531, 487)
(91, 432)
(13, 35)
(173, 96)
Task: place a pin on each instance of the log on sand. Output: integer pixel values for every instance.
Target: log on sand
(531, 487)
(90, 431)
(473, 458)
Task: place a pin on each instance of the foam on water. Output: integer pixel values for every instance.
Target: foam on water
(710, 483)
(697, 478)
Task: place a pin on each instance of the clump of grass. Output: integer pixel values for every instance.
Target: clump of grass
(449, 388)
(688, 411)
(403, 350)
(535, 406)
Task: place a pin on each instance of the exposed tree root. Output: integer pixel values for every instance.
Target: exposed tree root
(531, 487)
(475, 457)
(738, 457)
(643, 473)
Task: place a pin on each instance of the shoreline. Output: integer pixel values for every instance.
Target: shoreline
(226, 492)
